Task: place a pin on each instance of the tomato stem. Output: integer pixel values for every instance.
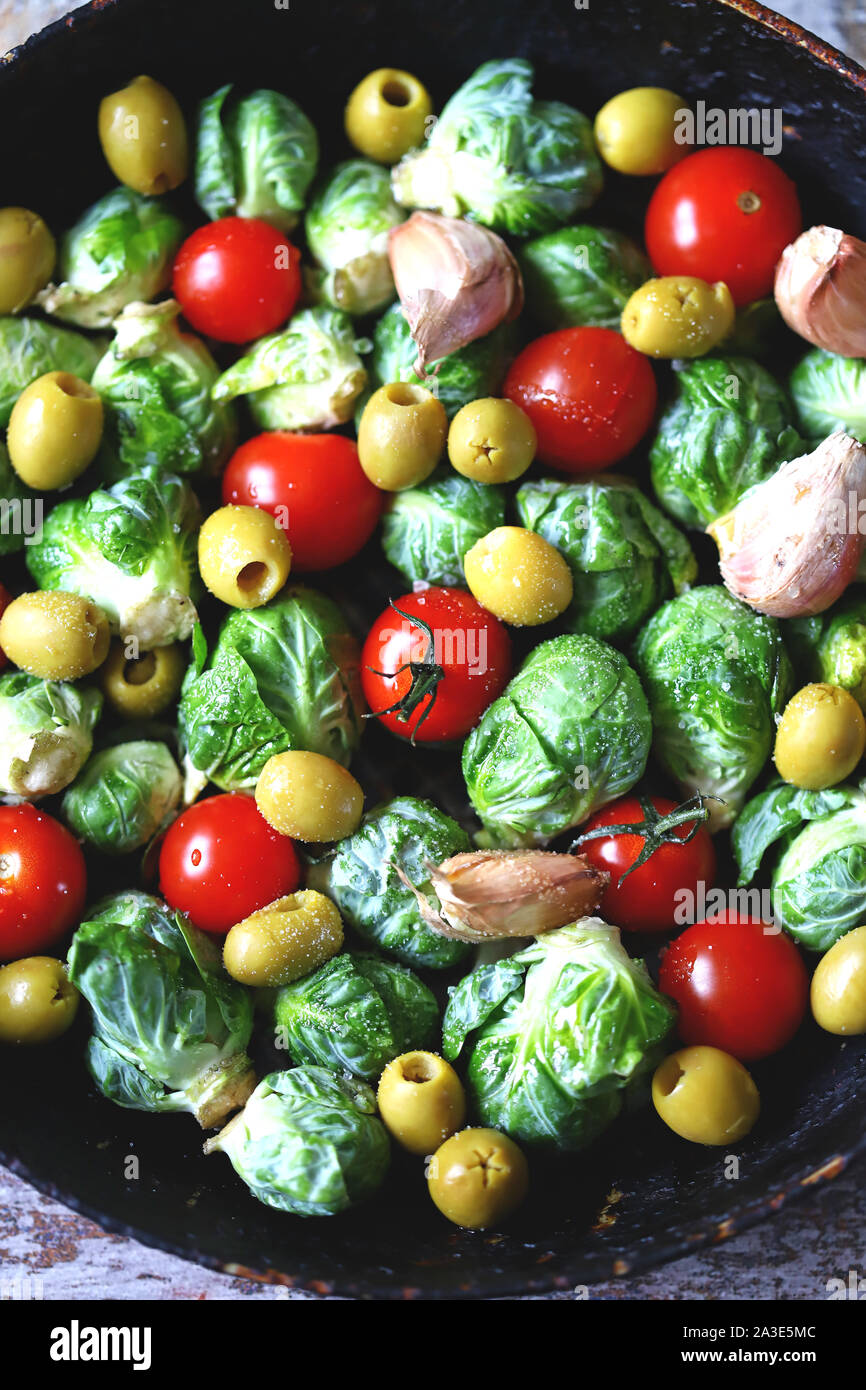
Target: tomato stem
(656, 830)
(425, 677)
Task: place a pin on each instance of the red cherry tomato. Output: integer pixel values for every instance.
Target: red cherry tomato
(5, 600)
(588, 393)
(221, 860)
(43, 882)
(738, 987)
(315, 487)
(723, 214)
(648, 898)
(455, 677)
(237, 279)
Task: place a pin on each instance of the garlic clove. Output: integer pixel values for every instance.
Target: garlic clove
(820, 290)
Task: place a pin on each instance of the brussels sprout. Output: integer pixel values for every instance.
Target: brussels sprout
(120, 250)
(356, 1013)
(280, 677)
(428, 529)
(170, 1029)
(831, 646)
(308, 377)
(347, 226)
(366, 875)
(504, 159)
(155, 383)
(46, 733)
(124, 796)
(29, 348)
(132, 550)
(729, 427)
(20, 508)
(308, 1142)
(467, 375)
(581, 275)
(558, 1035)
(570, 733)
(625, 556)
(829, 391)
(256, 159)
(716, 674)
(819, 881)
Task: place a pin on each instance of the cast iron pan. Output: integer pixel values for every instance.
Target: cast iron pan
(642, 1196)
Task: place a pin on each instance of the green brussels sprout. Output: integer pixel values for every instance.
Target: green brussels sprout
(155, 383)
(818, 885)
(581, 275)
(558, 1036)
(356, 1013)
(308, 377)
(170, 1029)
(716, 675)
(829, 391)
(831, 646)
(280, 677)
(502, 158)
(30, 347)
(347, 226)
(463, 376)
(255, 159)
(21, 508)
(120, 250)
(46, 733)
(132, 550)
(570, 733)
(308, 1142)
(427, 530)
(625, 556)
(728, 428)
(366, 875)
(124, 796)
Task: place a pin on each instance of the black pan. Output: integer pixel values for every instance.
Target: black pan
(642, 1196)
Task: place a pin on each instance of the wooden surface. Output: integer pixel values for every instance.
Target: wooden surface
(56, 1254)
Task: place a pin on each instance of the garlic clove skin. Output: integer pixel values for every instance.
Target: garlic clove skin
(820, 290)
(792, 545)
(496, 894)
(456, 282)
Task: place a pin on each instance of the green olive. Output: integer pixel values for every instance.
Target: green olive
(54, 635)
(518, 576)
(143, 137)
(37, 1000)
(421, 1101)
(706, 1096)
(244, 556)
(284, 941)
(309, 797)
(387, 114)
(477, 1178)
(839, 986)
(820, 738)
(492, 441)
(401, 436)
(54, 431)
(636, 131)
(139, 687)
(27, 255)
(678, 316)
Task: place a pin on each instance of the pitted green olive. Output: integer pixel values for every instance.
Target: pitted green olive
(27, 255)
(143, 137)
(54, 431)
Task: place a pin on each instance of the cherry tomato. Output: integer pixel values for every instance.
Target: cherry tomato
(588, 393)
(458, 667)
(5, 598)
(221, 860)
(648, 898)
(738, 987)
(723, 214)
(316, 488)
(43, 881)
(237, 279)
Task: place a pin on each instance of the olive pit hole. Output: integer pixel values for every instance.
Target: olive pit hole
(403, 393)
(140, 669)
(73, 386)
(670, 1079)
(253, 577)
(396, 93)
(418, 1069)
